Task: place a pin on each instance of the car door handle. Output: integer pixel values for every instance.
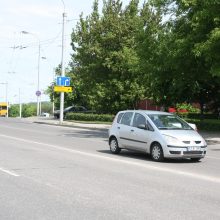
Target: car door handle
(118, 127)
(132, 130)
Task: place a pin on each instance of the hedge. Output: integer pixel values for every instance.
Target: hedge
(205, 116)
(206, 124)
(197, 115)
(90, 117)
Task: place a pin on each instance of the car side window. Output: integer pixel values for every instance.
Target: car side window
(119, 117)
(126, 119)
(150, 128)
(72, 109)
(81, 108)
(78, 109)
(138, 119)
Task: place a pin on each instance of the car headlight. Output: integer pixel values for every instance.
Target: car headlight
(171, 140)
(204, 143)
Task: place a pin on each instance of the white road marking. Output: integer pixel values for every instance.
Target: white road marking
(9, 172)
(128, 162)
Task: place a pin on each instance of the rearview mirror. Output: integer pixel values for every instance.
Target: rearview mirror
(142, 126)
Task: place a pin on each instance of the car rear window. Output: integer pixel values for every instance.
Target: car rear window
(126, 119)
(119, 117)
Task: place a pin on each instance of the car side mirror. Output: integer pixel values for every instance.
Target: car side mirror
(142, 126)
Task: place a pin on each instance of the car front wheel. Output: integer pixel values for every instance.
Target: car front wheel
(114, 148)
(157, 152)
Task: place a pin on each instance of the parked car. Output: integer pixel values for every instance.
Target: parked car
(160, 134)
(45, 114)
(76, 109)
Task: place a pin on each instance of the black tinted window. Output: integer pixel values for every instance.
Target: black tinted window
(126, 119)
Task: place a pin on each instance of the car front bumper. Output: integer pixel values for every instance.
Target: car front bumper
(186, 152)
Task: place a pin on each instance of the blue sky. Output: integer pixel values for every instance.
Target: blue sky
(19, 52)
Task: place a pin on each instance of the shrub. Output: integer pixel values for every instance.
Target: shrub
(13, 111)
(28, 110)
(205, 116)
(89, 117)
(185, 107)
(206, 125)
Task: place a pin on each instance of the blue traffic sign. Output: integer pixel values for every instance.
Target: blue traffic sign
(38, 93)
(63, 81)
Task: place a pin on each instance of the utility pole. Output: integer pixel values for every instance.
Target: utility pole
(20, 105)
(38, 93)
(6, 84)
(62, 67)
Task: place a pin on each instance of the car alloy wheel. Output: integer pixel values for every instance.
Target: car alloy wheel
(114, 146)
(157, 152)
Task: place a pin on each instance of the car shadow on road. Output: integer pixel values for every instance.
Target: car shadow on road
(144, 157)
(87, 134)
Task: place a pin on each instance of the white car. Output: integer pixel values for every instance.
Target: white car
(160, 134)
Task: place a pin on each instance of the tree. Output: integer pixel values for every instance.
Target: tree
(105, 61)
(189, 70)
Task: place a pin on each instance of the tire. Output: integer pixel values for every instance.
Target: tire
(113, 143)
(196, 159)
(157, 152)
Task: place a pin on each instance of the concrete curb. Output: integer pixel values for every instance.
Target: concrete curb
(70, 124)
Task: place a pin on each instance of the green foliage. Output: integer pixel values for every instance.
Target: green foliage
(14, 111)
(187, 53)
(206, 125)
(205, 116)
(165, 50)
(90, 117)
(46, 107)
(105, 59)
(29, 110)
(188, 107)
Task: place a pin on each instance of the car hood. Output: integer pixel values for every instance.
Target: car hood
(183, 135)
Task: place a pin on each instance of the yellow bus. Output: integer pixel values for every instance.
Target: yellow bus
(3, 109)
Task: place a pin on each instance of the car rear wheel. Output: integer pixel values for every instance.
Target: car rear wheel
(157, 152)
(114, 146)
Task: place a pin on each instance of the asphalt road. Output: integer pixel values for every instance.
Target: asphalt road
(52, 172)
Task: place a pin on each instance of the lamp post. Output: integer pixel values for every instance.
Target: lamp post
(38, 93)
(6, 95)
(20, 104)
(62, 65)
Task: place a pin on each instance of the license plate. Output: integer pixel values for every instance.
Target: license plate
(194, 148)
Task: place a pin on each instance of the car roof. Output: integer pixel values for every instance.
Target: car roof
(147, 112)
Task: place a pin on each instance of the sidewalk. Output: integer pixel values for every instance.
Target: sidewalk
(52, 121)
(210, 137)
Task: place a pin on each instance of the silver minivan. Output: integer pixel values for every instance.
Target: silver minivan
(160, 134)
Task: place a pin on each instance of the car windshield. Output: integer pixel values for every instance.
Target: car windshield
(169, 122)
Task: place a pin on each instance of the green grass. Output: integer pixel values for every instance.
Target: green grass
(91, 122)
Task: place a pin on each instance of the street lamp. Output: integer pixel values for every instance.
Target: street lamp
(62, 65)
(38, 93)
